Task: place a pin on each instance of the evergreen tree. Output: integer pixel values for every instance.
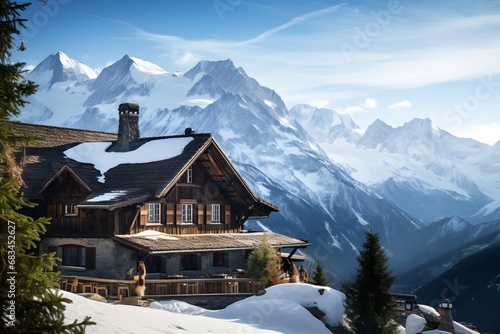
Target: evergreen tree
(319, 276)
(264, 265)
(370, 307)
(28, 298)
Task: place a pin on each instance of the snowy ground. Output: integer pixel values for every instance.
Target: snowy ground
(282, 309)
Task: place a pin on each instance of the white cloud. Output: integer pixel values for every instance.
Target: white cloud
(370, 103)
(187, 59)
(399, 105)
(485, 133)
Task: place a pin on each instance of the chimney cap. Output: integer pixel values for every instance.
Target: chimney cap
(128, 107)
(189, 131)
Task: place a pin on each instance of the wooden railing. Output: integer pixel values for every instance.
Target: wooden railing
(113, 288)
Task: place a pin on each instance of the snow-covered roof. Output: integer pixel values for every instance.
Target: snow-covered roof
(149, 170)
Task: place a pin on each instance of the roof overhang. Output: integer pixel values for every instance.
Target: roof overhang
(153, 242)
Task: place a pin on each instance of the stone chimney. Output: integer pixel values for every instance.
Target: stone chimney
(128, 126)
(445, 309)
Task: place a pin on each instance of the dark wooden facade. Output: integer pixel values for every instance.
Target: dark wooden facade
(65, 192)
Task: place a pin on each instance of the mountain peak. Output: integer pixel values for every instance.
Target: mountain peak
(422, 126)
(59, 67)
(376, 133)
(212, 68)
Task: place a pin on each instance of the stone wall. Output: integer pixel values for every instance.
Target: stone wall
(112, 259)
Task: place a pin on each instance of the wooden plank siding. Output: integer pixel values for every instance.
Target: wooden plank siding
(201, 193)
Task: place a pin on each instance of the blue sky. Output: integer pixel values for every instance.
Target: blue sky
(394, 60)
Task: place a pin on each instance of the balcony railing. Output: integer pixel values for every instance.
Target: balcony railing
(171, 286)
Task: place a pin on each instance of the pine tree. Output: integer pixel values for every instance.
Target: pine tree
(319, 276)
(370, 307)
(28, 298)
(264, 265)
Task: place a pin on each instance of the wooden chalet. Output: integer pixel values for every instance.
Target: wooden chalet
(175, 202)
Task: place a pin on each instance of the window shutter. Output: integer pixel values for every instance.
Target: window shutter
(143, 220)
(90, 253)
(209, 213)
(227, 216)
(170, 213)
(178, 213)
(201, 217)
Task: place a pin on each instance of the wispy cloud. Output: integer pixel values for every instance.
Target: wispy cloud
(292, 22)
(399, 105)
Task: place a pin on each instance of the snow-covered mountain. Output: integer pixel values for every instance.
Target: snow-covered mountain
(329, 199)
(422, 169)
(60, 68)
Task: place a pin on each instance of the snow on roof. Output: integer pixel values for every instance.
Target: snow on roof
(153, 150)
(108, 196)
(154, 235)
(414, 324)
(428, 310)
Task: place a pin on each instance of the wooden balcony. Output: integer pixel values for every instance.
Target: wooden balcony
(174, 285)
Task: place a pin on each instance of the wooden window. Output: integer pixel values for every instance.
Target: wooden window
(220, 259)
(189, 175)
(187, 213)
(154, 215)
(70, 210)
(73, 255)
(190, 262)
(215, 213)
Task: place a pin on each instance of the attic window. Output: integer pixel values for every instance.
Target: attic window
(154, 213)
(70, 210)
(189, 175)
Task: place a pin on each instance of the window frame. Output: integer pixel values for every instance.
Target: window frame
(217, 257)
(189, 175)
(154, 213)
(70, 210)
(190, 262)
(73, 260)
(215, 216)
(187, 213)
